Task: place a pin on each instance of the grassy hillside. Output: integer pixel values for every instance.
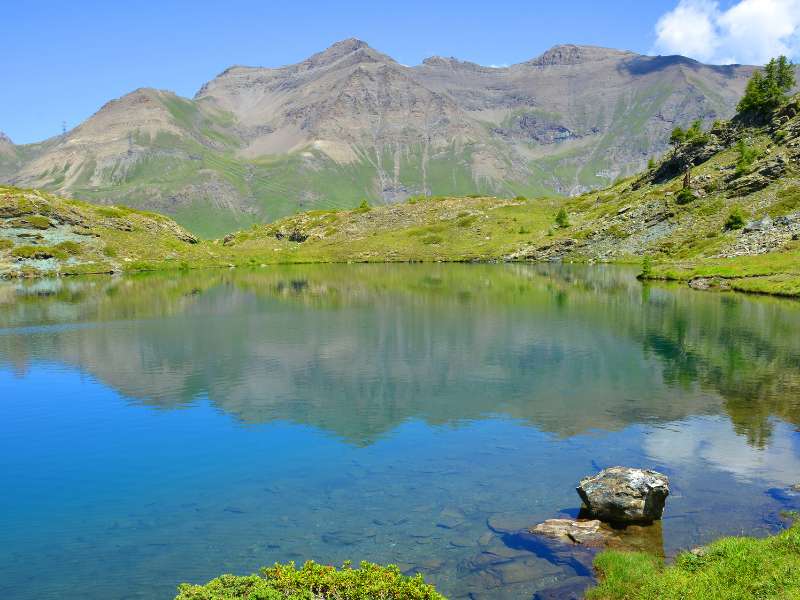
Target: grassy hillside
(734, 224)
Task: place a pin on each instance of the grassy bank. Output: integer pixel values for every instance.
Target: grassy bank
(730, 569)
(777, 273)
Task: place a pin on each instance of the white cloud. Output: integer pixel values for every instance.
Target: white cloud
(703, 442)
(749, 32)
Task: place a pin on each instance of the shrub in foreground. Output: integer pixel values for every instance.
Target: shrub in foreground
(314, 582)
(730, 568)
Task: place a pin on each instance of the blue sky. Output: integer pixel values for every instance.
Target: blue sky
(61, 61)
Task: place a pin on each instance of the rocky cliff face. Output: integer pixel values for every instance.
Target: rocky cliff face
(351, 123)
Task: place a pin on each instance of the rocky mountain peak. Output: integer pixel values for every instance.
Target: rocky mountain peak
(571, 54)
(5, 140)
(353, 49)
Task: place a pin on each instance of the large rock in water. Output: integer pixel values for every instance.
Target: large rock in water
(625, 495)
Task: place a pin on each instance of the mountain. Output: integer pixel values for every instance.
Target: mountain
(350, 122)
(721, 210)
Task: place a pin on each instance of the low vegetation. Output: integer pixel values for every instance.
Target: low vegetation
(314, 582)
(730, 568)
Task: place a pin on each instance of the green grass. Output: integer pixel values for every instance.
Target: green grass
(314, 582)
(735, 568)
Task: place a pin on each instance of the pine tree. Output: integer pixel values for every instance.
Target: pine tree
(767, 90)
(677, 137)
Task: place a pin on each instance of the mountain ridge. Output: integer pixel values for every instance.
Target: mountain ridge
(349, 122)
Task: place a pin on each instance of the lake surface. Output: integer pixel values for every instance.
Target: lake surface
(160, 429)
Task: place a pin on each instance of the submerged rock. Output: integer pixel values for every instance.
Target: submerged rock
(625, 495)
(594, 535)
(586, 532)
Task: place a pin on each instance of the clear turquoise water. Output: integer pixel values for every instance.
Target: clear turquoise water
(161, 429)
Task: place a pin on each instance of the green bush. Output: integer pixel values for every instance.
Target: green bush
(363, 207)
(647, 266)
(6, 244)
(314, 582)
(520, 198)
(735, 220)
(747, 156)
(562, 218)
(685, 196)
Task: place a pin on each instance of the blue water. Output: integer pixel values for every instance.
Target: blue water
(157, 429)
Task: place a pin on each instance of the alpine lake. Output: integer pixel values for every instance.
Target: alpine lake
(163, 428)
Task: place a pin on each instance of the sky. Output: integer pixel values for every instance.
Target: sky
(61, 61)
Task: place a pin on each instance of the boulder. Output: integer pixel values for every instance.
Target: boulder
(624, 495)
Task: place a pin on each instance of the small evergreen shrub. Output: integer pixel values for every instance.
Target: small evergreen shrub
(314, 582)
(562, 218)
(735, 220)
(647, 266)
(685, 196)
(363, 207)
(747, 156)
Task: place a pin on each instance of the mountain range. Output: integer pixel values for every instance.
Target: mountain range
(351, 123)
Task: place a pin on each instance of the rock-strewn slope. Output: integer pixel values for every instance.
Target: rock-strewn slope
(41, 234)
(350, 123)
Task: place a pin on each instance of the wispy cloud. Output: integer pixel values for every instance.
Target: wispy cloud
(749, 32)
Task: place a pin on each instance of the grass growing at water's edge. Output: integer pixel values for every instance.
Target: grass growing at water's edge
(776, 273)
(730, 568)
(313, 581)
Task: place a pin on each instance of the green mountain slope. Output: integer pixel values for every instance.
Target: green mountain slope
(256, 144)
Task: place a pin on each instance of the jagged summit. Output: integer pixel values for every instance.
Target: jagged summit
(4, 139)
(571, 54)
(352, 48)
(451, 62)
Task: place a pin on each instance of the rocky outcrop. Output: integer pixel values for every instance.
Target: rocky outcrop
(625, 495)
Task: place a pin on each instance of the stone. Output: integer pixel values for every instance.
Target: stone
(624, 495)
(581, 531)
(759, 225)
(594, 535)
(450, 517)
